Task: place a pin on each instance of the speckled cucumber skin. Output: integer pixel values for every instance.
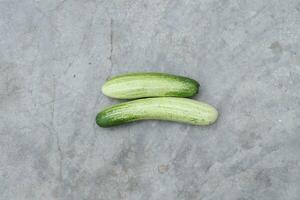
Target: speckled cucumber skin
(139, 85)
(161, 108)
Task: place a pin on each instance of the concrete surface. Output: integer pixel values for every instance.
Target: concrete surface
(56, 54)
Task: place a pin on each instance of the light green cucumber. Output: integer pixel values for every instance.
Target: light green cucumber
(139, 85)
(161, 108)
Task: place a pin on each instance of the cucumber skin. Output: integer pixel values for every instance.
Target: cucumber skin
(139, 85)
(163, 108)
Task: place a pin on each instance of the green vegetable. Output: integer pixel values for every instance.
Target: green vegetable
(138, 85)
(161, 108)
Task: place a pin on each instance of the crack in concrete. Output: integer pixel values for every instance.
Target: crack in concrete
(59, 150)
(111, 46)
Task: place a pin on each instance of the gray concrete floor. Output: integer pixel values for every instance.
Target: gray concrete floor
(56, 54)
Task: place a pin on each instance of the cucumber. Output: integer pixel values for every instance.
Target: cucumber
(160, 108)
(139, 85)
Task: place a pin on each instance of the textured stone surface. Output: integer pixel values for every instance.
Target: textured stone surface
(56, 54)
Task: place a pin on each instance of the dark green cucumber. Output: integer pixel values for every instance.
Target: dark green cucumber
(139, 85)
(161, 108)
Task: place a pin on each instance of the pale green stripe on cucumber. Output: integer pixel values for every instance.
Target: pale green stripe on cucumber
(161, 108)
(139, 85)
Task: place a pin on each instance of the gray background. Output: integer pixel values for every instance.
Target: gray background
(56, 54)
